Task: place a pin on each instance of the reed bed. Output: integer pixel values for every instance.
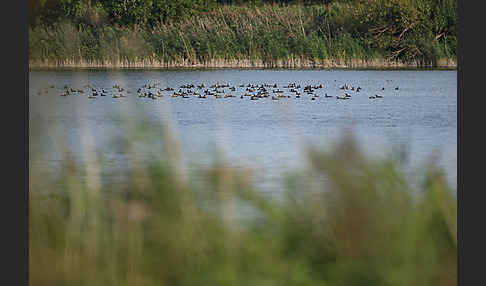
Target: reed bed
(265, 36)
(351, 220)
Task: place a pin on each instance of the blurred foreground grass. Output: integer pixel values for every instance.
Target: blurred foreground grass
(364, 226)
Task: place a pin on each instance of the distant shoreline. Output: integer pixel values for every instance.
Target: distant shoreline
(245, 64)
(341, 35)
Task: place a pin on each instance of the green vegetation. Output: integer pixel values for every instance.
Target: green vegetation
(362, 225)
(420, 32)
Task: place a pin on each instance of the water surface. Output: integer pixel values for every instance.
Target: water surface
(269, 136)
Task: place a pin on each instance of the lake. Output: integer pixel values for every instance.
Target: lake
(269, 136)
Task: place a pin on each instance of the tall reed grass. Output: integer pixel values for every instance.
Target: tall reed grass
(261, 35)
(351, 220)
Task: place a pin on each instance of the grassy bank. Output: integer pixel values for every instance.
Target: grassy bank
(287, 64)
(362, 225)
(376, 33)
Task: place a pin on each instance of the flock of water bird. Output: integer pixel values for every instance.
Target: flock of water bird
(252, 91)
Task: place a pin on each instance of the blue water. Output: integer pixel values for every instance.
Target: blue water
(268, 136)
